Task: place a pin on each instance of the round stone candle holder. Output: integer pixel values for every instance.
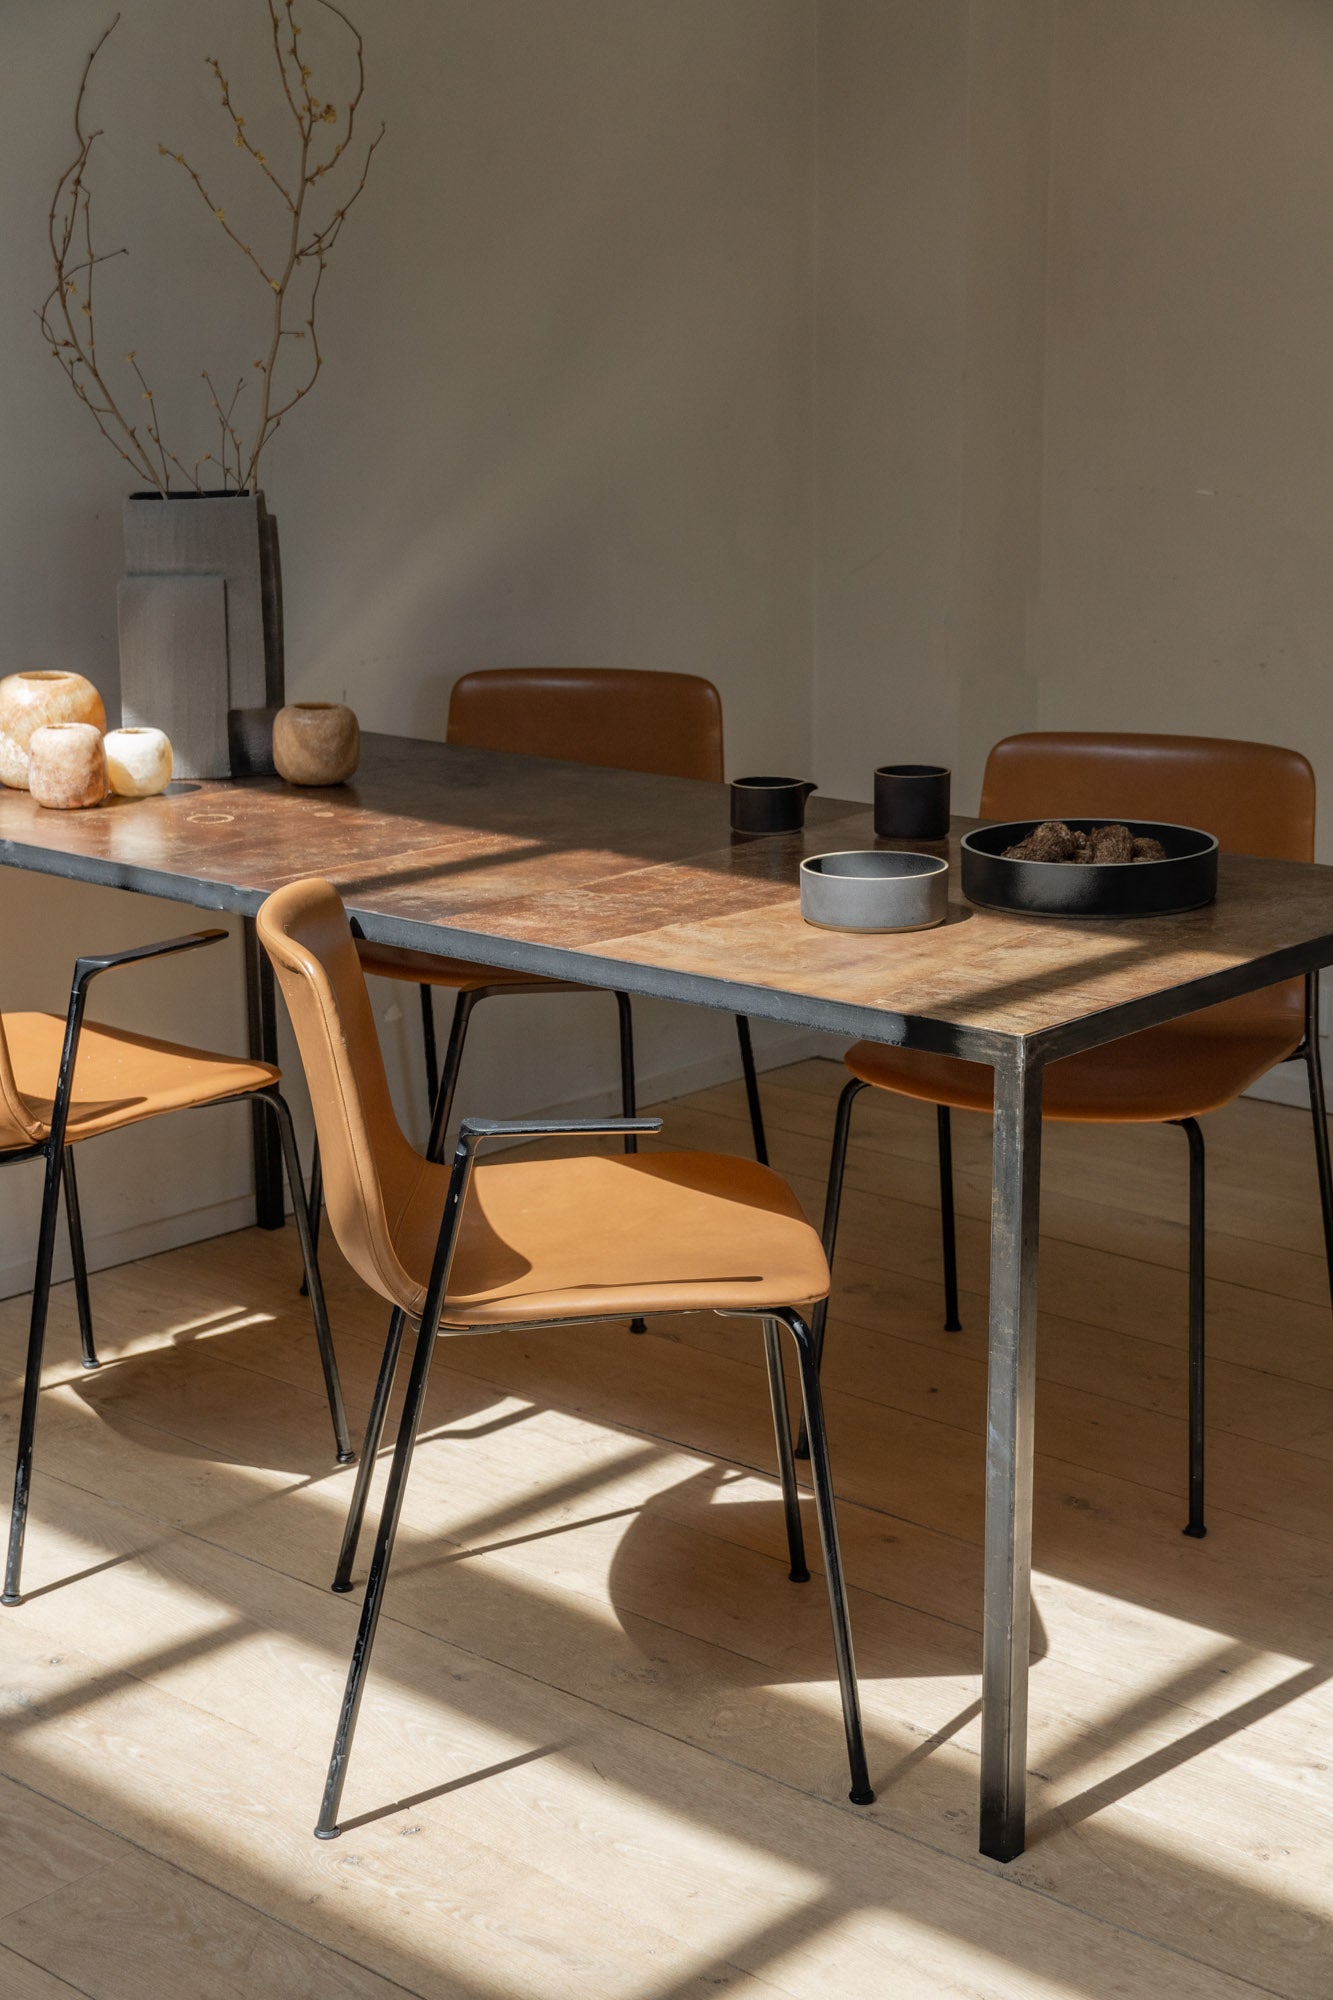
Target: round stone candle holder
(32, 701)
(67, 766)
(316, 743)
(138, 762)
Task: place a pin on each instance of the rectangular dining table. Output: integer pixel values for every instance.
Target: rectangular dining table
(636, 883)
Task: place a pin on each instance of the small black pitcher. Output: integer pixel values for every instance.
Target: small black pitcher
(769, 805)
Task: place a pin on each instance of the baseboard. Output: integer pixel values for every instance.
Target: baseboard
(773, 1049)
(144, 1239)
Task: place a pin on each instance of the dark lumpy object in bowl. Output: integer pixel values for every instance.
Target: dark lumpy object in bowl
(1054, 841)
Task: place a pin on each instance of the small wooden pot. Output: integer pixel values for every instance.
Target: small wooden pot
(316, 743)
(67, 765)
(31, 701)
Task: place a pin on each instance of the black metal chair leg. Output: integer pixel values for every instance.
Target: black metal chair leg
(628, 1083)
(1314, 1070)
(860, 1794)
(74, 1224)
(842, 1129)
(443, 1099)
(629, 1099)
(327, 1827)
(791, 1499)
(752, 1090)
(948, 1234)
(328, 1360)
(316, 1205)
(428, 1044)
(1195, 1525)
(32, 1378)
(365, 1471)
(842, 1126)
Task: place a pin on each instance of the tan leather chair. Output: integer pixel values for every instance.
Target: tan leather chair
(1257, 799)
(669, 724)
(65, 1080)
(518, 1244)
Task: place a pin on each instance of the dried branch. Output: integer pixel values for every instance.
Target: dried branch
(307, 112)
(75, 346)
(66, 315)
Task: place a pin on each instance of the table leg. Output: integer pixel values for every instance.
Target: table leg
(1009, 1430)
(261, 1012)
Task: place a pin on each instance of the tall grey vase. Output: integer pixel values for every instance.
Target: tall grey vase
(200, 613)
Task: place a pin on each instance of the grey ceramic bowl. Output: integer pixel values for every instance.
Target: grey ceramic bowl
(874, 889)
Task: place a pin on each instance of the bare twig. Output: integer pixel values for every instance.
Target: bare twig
(73, 345)
(308, 112)
(66, 315)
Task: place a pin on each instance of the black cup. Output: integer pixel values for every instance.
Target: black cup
(768, 805)
(912, 802)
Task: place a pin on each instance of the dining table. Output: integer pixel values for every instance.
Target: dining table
(636, 883)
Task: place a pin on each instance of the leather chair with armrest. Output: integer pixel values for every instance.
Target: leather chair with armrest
(64, 1081)
(519, 1244)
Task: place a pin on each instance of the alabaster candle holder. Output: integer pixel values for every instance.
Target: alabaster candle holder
(32, 701)
(316, 743)
(138, 762)
(67, 765)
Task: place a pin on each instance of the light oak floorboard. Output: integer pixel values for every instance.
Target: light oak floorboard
(20, 1979)
(600, 1754)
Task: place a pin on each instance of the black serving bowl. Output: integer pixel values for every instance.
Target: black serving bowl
(1185, 880)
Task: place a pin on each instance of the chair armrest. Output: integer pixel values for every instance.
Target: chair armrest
(475, 1129)
(86, 969)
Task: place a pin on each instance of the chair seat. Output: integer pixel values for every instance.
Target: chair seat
(1180, 1070)
(615, 1235)
(120, 1078)
(457, 975)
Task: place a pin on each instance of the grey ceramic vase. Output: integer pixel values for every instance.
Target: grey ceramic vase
(200, 615)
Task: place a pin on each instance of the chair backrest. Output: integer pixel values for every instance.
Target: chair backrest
(370, 1169)
(1257, 799)
(670, 724)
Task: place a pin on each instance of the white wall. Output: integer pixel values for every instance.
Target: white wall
(930, 300)
(1189, 425)
(564, 419)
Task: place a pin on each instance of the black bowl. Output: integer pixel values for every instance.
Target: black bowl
(1186, 880)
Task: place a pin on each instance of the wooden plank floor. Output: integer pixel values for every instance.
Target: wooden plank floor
(600, 1756)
